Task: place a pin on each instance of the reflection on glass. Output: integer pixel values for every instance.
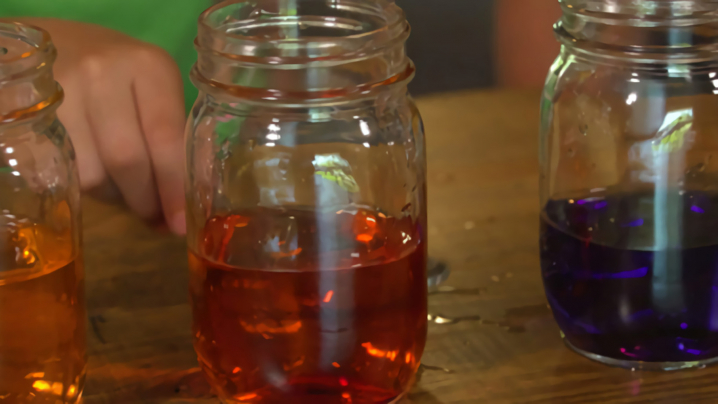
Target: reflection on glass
(306, 204)
(629, 251)
(42, 303)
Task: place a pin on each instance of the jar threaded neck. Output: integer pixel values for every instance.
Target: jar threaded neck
(314, 50)
(27, 84)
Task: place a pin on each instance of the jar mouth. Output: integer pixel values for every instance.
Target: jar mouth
(650, 32)
(24, 49)
(300, 31)
(645, 12)
(302, 51)
(27, 86)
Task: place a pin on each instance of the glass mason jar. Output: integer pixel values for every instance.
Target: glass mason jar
(306, 203)
(629, 182)
(42, 304)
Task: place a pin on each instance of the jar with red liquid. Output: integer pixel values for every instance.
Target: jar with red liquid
(306, 191)
(42, 303)
(629, 182)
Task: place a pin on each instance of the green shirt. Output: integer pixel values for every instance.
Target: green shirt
(170, 24)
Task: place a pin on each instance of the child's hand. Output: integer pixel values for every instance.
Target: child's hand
(124, 111)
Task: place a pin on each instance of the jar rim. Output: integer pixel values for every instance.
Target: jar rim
(27, 55)
(641, 31)
(645, 12)
(24, 48)
(320, 51)
(215, 32)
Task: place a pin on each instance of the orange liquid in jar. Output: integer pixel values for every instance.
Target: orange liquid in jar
(42, 315)
(294, 306)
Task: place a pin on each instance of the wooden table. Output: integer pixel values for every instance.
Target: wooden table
(499, 343)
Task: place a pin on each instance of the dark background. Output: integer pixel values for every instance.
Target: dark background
(451, 44)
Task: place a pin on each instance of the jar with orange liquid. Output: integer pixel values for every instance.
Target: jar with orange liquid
(42, 312)
(306, 198)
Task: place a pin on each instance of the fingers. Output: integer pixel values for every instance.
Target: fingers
(159, 96)
(126, 119)
(113, 120)
(72, 115)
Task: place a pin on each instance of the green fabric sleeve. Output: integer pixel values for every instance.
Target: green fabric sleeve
(169, 24)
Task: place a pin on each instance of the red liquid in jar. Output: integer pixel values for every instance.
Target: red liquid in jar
(295, 306)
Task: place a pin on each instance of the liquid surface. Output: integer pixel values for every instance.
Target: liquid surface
(42, 316)
(309, 308)
(633, 277)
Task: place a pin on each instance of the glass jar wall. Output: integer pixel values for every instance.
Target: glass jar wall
(306, 204)
(629, 182)
(42, 307)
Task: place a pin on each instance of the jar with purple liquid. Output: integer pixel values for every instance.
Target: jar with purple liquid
(629, 182)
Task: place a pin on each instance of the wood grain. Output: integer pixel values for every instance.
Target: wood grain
(500, 343)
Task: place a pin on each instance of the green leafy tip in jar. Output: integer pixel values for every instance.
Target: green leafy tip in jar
(673, 133)
(334, 168)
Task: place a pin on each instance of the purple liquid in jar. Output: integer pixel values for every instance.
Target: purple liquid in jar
(634, 277)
